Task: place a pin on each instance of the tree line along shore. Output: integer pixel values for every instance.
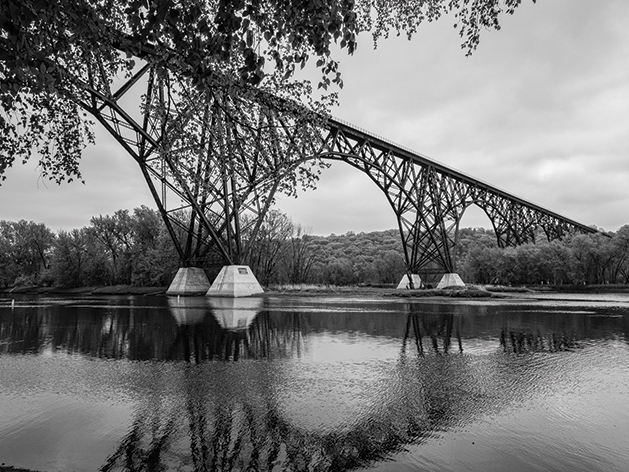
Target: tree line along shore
(134, 250)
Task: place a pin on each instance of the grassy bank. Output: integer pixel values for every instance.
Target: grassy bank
(471, 291)
(386, 291)
(100, 290)
(288, 289)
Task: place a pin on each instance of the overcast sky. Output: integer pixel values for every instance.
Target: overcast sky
(540, 110)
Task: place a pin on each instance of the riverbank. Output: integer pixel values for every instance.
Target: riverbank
(94, 290)
(471, 291)
(302, 290)
(306, 290)
(381, 291)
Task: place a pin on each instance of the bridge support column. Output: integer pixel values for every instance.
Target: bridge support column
(235, 281)
(450, 280)
(405, 283)
(189, 281)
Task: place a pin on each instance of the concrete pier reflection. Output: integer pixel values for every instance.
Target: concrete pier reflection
(188, 310)
(212, 329)
(235, 314)
(230, 329)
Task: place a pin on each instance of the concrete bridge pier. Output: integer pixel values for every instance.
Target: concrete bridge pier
(405, 282)
(235, 281)
(189, 281)
(450, 280)
(232, 281)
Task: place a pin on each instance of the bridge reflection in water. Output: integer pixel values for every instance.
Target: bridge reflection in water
(228, 329)
(205, 414)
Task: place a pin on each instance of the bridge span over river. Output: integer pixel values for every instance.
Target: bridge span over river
(214, 160)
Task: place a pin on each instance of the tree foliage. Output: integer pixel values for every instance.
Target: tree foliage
(269, 246)
(78, 260)
(122, 248)
(580, 259)
(24, 250)
(50, 49)
(363, 258)
(115, 234)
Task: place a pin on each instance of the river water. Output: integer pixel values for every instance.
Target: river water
(314, 383)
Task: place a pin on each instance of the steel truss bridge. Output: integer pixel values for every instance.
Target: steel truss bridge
(215, 159)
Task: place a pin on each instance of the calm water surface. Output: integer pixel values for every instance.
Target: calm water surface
(327, 383)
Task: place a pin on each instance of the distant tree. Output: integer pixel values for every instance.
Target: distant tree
(339, 271)
(115, 233)
(299, 256)
(468, 239)
(156, 266)
(139, 244)
(592, 258)
(7, 271)
(24, 251)
(68, 260)
(478, 265)
(154, 259)
(555, 262)
(620, 248)
(528, 268)
(78, 260)
(269, 246)
(388, 267)
(146, 226)
(374, 257)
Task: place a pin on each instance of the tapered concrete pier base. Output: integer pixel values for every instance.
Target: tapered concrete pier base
(405, 283)
(189, 281)
(450, 280)
(235, 281)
